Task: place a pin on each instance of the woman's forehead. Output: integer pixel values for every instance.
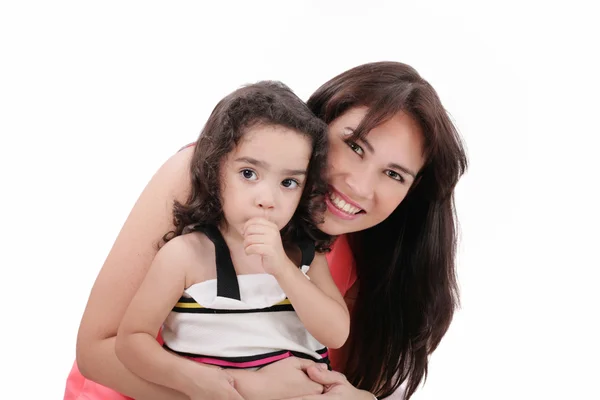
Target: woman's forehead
(398, 140)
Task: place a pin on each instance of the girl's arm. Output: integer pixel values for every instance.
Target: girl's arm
(136, 344)
(339, 357)
(318, 302)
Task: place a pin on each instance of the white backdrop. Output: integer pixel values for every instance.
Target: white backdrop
(95, 96)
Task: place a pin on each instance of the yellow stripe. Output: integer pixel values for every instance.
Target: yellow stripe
(196, 305)
(188, 305)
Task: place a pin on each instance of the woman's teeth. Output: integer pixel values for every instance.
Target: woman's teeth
(342, 205)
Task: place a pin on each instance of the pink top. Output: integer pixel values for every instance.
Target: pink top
(343, 271)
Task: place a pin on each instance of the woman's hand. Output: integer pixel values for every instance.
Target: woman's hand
(208, 382)
(336, 386)
(281, 380)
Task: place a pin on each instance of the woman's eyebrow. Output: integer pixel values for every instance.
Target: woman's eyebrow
(402, 168)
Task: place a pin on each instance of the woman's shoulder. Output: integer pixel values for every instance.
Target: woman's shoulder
(188, 146)
(170, 182)
(340, 251)
(178, 165)
(341, 264)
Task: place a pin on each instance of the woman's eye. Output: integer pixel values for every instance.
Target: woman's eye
(290, 183)
(394, 175)
(355, 147)
(249, 174)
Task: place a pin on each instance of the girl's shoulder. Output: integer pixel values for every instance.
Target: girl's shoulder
(192, 251)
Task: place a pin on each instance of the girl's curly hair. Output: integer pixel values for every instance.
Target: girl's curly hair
(268, 103)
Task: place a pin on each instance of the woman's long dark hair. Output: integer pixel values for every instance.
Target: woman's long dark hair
(406, 264)
(262, 103)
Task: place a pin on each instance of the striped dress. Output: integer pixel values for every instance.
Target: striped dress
(242, 321)
(343, 270)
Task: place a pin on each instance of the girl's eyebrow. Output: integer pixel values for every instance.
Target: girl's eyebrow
(253, 161)
(265, 165)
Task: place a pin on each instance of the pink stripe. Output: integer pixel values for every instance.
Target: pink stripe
(247, 364)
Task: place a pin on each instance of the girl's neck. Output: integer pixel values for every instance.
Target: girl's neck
(233, 238)
(242, 262)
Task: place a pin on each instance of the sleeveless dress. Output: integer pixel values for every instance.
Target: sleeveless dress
(239, 321)
(341, 265)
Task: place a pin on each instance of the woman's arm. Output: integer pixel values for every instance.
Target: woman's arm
(318, 303)
(120, 277)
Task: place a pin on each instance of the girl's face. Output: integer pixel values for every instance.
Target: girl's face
(369, 178)
(264, 176)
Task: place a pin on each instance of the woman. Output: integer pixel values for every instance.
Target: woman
(394, 160)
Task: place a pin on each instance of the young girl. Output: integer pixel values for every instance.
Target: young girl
(238, 283)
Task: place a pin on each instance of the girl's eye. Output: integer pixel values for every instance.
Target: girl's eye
(290, 183)
(394, 175)
(249, 174)
(355, 148)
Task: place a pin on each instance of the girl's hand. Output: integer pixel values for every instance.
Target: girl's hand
(336, 386)
(262, 237)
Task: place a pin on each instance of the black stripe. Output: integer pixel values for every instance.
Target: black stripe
(307, 248)
(230, 359)
(275, 308)
(183, 299)
(324, 360)
(227, 281)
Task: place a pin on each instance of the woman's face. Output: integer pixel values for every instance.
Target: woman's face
(369, 178)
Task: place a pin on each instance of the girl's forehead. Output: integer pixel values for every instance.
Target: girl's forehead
(279, 144)
(264, 133)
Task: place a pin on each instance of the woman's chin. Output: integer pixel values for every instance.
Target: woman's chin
(335, 226)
